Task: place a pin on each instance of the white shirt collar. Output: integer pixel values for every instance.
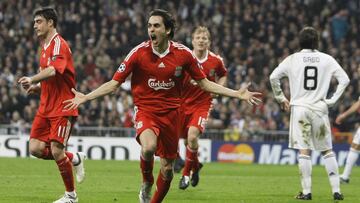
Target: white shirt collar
(47, 45)
(204, 59)
(162, 54)
(309, 50)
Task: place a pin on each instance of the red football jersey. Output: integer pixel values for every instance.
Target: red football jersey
(157, 79)
(193, 95)
(55, 90)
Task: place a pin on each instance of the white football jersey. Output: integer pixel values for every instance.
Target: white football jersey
(309, 73)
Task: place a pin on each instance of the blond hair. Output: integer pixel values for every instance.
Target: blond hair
(201, 29)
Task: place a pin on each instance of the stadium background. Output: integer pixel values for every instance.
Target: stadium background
(252, 36)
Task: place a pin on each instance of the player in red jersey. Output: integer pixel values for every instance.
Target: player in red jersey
(52, 126)
(157, 68)
(196, 103)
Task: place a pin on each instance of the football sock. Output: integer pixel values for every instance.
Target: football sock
(350, 161)
(162, 187)
(191, 161)
(65, 168)
(147, 169)
(305, 167)
(70, 156)
(332, 169)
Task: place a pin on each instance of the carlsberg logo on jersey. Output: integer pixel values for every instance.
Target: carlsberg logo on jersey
(158, 85)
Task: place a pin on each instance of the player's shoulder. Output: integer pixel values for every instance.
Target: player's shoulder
(58, 39)
(214, 56)
(59, 43)
(177, 46)
(144, 46)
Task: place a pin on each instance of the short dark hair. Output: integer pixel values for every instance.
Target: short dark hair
(308, 38)
(48, 13)
(168, 19)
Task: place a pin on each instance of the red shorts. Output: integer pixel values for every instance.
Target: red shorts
(196, 117)
(52, 129)
(166, 128)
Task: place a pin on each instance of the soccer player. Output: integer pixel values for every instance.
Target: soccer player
(196, 104)
(52, 126)
(355, 146)
(157, 68)
(309, 72)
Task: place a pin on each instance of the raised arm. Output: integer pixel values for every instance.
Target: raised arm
(80, 98)
(243, 93)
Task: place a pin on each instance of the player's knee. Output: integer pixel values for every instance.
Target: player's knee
(167, 172)
(324, 153)
(192, 139)
(57, 150)
(148, 148)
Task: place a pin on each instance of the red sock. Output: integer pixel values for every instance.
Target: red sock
(65, 168)
(147, 170)
(69, 155)
(191, 161)
(162, 188)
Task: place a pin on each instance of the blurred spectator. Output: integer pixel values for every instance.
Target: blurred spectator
(252, 36)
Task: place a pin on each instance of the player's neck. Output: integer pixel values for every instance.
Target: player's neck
(49, 36)
(162, 47)
(200, 54)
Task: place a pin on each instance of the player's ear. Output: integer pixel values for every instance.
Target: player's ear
(168, 31)
(50, 22)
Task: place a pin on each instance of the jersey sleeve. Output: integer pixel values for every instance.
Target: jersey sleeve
(278, 73)
(193, 67)
(59, 56)
(220, 68)
(126, 67)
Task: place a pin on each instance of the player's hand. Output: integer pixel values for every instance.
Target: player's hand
(74, 102)
(33, 89)
(285, 105)
(25, 82)
(340, 119)
(250, 97)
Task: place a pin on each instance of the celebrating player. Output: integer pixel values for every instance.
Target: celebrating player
(355, 146)
(196, 104)
(52, 126)
(157, 68)
(309, 72)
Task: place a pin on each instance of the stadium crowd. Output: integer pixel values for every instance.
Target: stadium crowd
(251, 36)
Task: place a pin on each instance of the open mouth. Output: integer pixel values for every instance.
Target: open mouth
(153, 37)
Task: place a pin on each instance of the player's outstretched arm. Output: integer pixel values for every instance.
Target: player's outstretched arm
(354, 107)
(81, 98)
(243, 93)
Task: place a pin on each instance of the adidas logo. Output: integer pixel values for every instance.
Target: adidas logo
(161, 65)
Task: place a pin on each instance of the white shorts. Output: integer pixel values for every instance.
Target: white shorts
(309, 129)
(356, 139)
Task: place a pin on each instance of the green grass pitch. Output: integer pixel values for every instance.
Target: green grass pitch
(38, 181)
